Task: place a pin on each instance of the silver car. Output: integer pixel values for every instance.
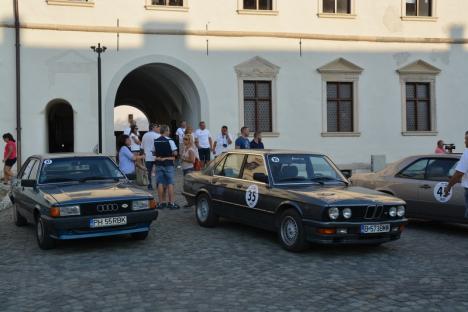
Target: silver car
(420, 181)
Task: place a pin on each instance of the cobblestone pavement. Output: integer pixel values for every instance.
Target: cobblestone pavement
(183, 267)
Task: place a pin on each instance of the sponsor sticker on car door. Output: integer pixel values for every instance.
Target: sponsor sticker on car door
(439, 190)
(251, 196)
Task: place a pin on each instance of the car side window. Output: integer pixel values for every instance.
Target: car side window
(232, 166)
(253, 164)
(440, 169)
(219, 168)
(34, 170)
(27, 169)
(416, 170)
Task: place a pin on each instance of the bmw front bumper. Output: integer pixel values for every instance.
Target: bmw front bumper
(66, 228)
(353, 235)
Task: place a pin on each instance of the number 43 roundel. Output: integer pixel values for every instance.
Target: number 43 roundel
(251, 196)
(439, 190)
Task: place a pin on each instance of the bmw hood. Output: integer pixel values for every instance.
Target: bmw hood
(91, 192)
(329, 196)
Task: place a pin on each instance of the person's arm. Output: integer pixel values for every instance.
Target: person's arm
(191, 157)
(456, 178)
(215, 144)
(136, 139)
(229, 140)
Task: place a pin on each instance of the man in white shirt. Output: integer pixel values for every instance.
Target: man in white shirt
(147, 143)
(180, 133)
(222, 142)
(204, 143)
(128, 130)
(461, 175)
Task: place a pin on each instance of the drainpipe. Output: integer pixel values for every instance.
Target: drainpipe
(18, 83)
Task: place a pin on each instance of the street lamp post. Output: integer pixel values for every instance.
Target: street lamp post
(99, 50)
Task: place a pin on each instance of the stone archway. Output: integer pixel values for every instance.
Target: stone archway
(166, 90)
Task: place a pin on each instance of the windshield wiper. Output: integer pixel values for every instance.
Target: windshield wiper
(58, 180)
(98, 178)
(325, 178)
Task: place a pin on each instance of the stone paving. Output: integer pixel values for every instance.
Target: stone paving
(183, 267)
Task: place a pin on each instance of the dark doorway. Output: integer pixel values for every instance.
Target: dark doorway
(61, 127)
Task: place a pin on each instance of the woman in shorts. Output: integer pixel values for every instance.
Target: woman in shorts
(9, 157)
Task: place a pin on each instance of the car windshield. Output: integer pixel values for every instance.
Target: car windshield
(303, 169)
(79, 169)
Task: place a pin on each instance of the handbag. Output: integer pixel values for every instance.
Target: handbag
(197, 165)
(142, 178)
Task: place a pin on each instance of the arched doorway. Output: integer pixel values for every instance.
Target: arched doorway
(164, 93)
(60, 125)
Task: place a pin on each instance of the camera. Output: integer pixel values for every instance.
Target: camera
(224, 145)
(449, 147)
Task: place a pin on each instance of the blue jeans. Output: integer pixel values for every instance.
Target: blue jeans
(466, 203)
(165, 175)
(149, 167)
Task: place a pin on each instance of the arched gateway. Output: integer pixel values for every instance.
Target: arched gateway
(164, 89)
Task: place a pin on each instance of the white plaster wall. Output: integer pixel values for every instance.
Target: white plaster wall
(7, 82)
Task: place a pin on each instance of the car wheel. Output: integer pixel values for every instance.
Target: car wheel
(140, 235)
(18, 219)
(43, 236)
(291, 232)
(204, 212)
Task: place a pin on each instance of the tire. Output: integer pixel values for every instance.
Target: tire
(140, 235)
(43, 235)
(18, 219)
(204, 212)
(291, 233)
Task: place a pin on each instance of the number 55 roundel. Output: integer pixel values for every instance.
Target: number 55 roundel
(251, 196)
(439, 190)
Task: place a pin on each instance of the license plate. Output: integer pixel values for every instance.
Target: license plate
(375, 228)
(104, 222)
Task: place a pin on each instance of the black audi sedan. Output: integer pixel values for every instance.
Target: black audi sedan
(72, 196)
(301, 196)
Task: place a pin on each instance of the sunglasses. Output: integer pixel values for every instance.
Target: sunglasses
(186, 139)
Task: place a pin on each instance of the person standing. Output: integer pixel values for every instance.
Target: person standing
(166, 152)
(147, 143)
(440, 147)
(9, 157)
(127, 159)
(180, 134)
(243, 142)
(128, 130)
(257, 141)
(204, 143)
(461, 175)
(222, 142)
(189, 154)
(135, 146)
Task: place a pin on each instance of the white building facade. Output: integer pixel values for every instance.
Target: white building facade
(348, 78)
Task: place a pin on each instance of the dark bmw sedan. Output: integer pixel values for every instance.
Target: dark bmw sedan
(71, 196)
(301, 196)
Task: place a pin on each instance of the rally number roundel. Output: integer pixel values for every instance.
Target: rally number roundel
(439, 192)
(251, 196)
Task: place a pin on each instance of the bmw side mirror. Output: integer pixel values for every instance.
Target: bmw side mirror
(347, 173)
(260, 177)
(28, 183)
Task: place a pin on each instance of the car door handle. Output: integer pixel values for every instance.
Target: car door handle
(425, 186)
(240, 186)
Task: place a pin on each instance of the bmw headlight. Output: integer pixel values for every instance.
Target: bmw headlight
(140, 204)
(401, 211)
(347, 213)
(392, 212)
(334, 213)
(69, 211)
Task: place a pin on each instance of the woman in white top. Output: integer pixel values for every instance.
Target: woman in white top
(189, 154)
(135, 140)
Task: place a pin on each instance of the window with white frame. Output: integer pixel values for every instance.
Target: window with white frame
(258, 5)
(418, 8)
(175, 3)
(336, 6)
(257, 95)
(418, 81)
(340, 98)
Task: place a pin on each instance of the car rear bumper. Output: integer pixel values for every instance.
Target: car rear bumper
(353, 233)
(78, 227)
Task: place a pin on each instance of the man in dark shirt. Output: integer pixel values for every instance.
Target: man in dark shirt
(243, 142)
(166, 151)
(257, 141)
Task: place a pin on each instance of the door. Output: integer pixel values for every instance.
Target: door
(408, 183)
(30, 193)
(438, 172)
(226, 184)
(19, 191)
(255, 203)
(61, 128)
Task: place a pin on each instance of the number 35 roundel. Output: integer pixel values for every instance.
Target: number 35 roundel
(439, 190)
(251, 196)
